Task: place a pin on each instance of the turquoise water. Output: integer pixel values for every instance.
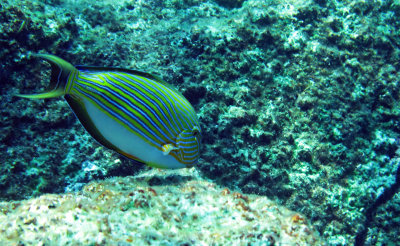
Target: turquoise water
(298, 101)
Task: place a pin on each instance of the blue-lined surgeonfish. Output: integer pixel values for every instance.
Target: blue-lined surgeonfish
(134, 113)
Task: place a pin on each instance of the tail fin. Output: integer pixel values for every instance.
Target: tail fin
(60, 73)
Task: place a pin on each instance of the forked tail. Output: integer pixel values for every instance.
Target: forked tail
(62, 73)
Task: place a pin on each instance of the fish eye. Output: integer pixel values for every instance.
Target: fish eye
(195, 133)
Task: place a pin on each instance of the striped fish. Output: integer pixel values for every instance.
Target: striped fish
(134, 113)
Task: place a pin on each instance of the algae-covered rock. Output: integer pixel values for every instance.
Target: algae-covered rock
(230, 3)
(179, 209)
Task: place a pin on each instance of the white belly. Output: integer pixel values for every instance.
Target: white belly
(127, 141)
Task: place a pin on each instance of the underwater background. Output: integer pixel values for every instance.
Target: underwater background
(298, 101)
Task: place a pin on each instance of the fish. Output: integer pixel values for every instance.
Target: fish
(134, 113)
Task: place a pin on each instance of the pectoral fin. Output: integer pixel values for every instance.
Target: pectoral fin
(166, 148)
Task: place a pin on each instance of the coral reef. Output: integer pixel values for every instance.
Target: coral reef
(153, 209)
(298, 100)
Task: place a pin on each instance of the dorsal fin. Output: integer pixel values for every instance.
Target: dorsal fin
(130, 71)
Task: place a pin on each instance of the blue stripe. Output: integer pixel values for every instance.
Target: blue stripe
(128, 112)
(144, 104)
(190, 142)
(187, 147)
(185, 137)
(192, 151)
(167, 97)
(159, 99)
(117, 116)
